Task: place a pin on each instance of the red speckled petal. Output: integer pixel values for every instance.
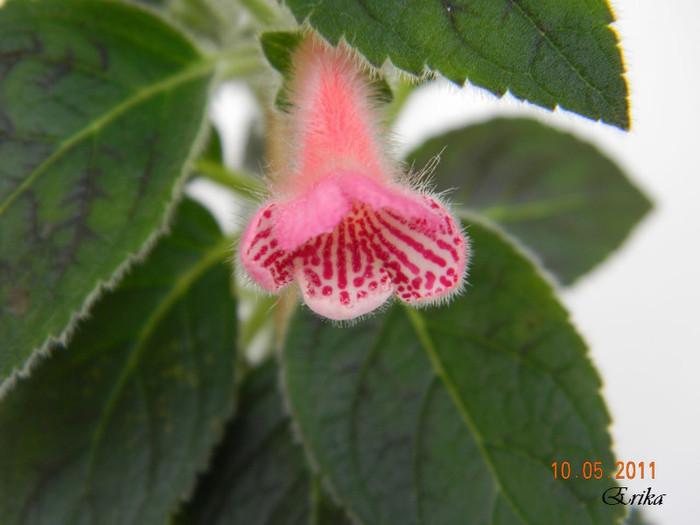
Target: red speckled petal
(339, 275)
(266, 262)
(425, 263)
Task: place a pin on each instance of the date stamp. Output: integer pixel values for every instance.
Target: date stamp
(629, 470)
(624, 470)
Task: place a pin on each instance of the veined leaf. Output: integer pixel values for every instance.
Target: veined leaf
(455, 414)
(561, 196)
(114, 427)
(550, 52)
(100, 104)
(259, 474)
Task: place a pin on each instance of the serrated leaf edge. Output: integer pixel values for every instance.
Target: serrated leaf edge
(414, 317)
(209, 66)
(313, 465)
(181, 286)
(428, 70)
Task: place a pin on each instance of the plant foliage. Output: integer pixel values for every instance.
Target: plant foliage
(129, 389)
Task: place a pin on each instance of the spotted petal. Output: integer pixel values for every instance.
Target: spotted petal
(266, 262)
(426, 262)
(339, 275)
(372, 253)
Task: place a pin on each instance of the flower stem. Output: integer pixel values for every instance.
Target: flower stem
(239, 181)
(262, 11)
(239, 62)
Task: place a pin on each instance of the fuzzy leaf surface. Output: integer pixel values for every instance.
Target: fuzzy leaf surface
(113, 428)
(100, 104)
(549, 52)
(455, 414)
(259, 475)
(559, 195)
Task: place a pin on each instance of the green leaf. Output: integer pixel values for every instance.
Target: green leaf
(114, 427)
(455, 414)
(550, 52)
(214, 150)
(561, 196)
(278, 47)
(100, 104)
(259, 474)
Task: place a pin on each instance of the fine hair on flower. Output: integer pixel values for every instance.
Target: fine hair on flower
(343, 222)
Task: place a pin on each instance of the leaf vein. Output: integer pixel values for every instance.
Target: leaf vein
(202, 69)
(543, 33)
(523, 361)
(209, 258)
(418, 324)
(354, 440)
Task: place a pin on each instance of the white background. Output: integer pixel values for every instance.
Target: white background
(639, 311)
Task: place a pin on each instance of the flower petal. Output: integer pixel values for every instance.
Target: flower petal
(266, 262)
(320, 208)
(339, 275)
(316, 212)
(426, 263)
(387, 195)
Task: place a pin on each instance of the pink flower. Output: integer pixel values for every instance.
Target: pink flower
(341, 226)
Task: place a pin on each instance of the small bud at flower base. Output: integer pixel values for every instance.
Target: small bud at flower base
(341, 226)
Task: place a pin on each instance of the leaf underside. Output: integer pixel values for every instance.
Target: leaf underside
(100, 104)
(560, 196)
(114, 427)
(549, 52)
(455, 414)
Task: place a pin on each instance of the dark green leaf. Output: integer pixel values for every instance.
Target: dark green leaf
(214, 151)
(324, 510)
(259, 474)
(455, 414)
(100, 104)
(114, 427)
(550, 52)
(278, 47)
(561, 196)
(154, 3)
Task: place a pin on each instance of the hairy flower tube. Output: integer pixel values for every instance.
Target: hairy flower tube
(340, 224)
